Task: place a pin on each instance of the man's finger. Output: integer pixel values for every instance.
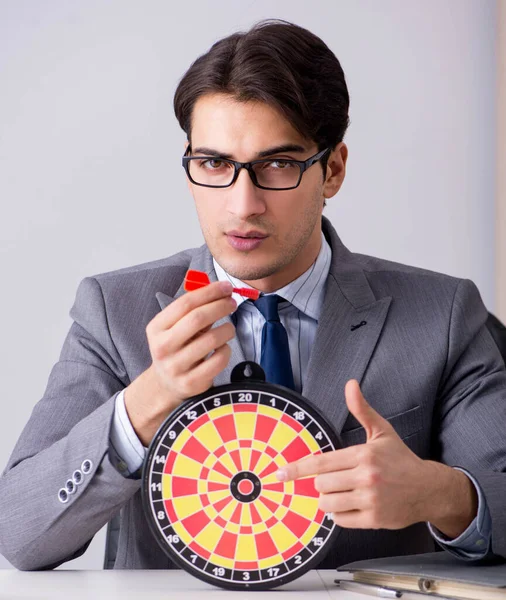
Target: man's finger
(175, 311)
(342, 502)
(337, 481)
(373, 423)
(319, 463)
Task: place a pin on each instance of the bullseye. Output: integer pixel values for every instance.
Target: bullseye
(245, 487)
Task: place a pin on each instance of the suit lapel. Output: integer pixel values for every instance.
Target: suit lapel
(203, 261)
(341, 350)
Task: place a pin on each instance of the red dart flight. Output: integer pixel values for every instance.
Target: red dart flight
(197, 279)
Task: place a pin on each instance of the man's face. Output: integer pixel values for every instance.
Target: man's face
(290, 220)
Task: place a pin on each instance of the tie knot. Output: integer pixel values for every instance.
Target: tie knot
(268, 306)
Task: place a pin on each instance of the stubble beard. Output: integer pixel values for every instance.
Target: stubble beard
(289, 249)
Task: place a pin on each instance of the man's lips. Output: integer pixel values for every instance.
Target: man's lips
(245, 242)
(247, 234)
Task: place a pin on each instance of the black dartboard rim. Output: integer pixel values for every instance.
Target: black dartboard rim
(251, 386)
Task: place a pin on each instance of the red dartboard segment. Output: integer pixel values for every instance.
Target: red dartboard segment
(211, 495)
(305, 487)
(293, 551)
(220, 451)
(215, 487)
(288, 420)
(269, 469)
(296, 523)
(296, 449)
(236, 516)
(195, 523)
(221, 504)
(220, 522)
(195, 450)
(272, 506)
(274, 487)
(225, 426)
(239, 408)
(198, 423)
(255, 457)
(182, 486)
(265, 545)
(227, 544)
(221, 469)
(255, 517)
(236, 457)
(264, 428)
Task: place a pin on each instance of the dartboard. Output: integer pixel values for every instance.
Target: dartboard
(210, 490)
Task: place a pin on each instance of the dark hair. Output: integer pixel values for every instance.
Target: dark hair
(281, 64)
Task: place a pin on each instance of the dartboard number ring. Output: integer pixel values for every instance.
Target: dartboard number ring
(211, 494)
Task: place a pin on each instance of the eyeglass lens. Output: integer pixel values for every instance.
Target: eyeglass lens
(269, 173)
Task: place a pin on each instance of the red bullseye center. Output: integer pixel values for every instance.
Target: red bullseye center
(245, 486)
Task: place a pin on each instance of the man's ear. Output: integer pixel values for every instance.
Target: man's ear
(336, 170)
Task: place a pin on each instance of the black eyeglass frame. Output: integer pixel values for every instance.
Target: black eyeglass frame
(303, 166)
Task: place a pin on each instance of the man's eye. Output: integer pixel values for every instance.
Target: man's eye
(279, 164)
(212, 164)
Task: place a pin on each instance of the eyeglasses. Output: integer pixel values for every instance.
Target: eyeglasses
(266, 174)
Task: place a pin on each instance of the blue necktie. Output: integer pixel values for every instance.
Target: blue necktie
(275, 357)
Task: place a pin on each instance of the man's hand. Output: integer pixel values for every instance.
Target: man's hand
(382, 484)
(187, 354)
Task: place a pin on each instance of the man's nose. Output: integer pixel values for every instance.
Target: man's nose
(245, 198)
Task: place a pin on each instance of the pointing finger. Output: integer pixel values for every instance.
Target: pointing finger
(337, 460)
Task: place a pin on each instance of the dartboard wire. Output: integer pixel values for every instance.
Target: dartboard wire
(278, 519)
(228, 452)
(218, 460)
(275, 459)
(254, 414)
(213, 421)
(163, 500)
(287, 406)
(289, 507)
(207, 560)
(201, 507)
(211, 468)
(247, 467)
(193, 539)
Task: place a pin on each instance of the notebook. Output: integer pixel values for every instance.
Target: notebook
(437, 573)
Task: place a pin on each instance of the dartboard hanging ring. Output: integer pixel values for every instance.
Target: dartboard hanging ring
(210, 492)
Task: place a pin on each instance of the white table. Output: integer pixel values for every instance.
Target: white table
(154, 585)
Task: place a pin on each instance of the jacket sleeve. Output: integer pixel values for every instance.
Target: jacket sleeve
(471, 411)
(59, 487)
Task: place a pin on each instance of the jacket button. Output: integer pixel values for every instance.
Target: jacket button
(77, 477)
(63, 496)
(70, 486)
(86, 466)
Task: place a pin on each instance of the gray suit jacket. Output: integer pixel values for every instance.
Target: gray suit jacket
(425, 361)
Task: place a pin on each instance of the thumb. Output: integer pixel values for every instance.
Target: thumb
(373, 423)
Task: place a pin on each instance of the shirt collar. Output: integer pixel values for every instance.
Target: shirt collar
(305, 293)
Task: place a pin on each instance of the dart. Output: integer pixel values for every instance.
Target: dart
(197, 279)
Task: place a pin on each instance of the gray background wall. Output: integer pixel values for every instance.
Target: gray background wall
(90, 175)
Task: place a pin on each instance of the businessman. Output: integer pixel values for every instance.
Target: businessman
(397, 358)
